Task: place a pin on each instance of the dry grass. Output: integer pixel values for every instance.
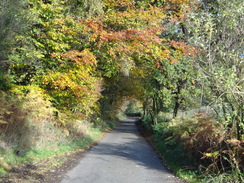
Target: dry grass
(31, 130)
(27, 120)
(207, 141)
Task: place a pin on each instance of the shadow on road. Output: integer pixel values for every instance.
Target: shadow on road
(126, 144)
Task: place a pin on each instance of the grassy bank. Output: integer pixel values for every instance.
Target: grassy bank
(197, 149)
(35, 164)
(33, 132)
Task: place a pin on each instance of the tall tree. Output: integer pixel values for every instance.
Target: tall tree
(217, 29)
(14, 22)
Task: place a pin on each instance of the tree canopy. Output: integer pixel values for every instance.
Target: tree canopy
(170, 55)
(89, 57)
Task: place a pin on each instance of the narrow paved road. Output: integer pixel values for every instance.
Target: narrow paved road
(123, 156)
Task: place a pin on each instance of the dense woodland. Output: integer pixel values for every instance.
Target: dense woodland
(66, 64)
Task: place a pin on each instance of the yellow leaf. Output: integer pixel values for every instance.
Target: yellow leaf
(66, 132)
(208, 154)
(3, 122)
(213, 154)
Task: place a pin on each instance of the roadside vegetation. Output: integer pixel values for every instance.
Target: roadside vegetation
(69, 69)
(197, 149)
(33, 131)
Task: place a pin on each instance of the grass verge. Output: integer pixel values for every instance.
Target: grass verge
(45, 159)
(182, 144)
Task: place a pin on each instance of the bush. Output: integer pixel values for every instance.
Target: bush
(201, 141)
(5, 82)
(26, 118)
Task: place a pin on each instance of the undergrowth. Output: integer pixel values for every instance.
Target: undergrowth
(32, 130)
(199, 149)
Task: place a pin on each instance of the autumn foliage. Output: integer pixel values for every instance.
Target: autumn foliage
(87, 59)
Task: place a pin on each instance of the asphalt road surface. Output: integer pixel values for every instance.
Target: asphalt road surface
(123, 156)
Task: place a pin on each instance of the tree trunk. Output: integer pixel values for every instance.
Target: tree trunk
(155, 111)
(177, 102)
(176, 108)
